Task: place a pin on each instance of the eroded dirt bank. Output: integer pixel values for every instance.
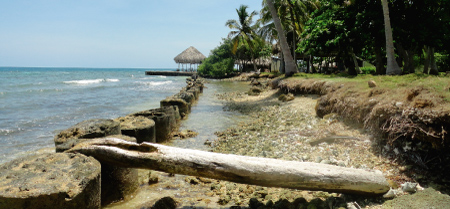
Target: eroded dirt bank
(411, 125)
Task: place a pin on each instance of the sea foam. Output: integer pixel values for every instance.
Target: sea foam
(88, 82)
(157, 83)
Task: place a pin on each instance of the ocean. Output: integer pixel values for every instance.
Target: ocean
(37, 103)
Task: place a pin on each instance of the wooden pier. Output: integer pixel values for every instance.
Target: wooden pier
(170, 73)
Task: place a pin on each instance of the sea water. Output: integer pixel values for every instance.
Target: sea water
(38, 103)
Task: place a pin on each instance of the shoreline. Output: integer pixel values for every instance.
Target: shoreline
(289, 130)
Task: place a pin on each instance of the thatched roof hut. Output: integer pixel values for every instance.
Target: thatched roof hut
(189, 56)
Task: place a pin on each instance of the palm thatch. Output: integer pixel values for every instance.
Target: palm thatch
(191, 55)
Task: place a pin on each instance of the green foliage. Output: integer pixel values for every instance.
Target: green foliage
(338, 29)
(216, 69)
(442, 61)
(219, 63)
(368, 70)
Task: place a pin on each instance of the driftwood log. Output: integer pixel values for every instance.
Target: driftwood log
(235, 168)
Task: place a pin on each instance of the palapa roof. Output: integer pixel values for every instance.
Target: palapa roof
(190, 55)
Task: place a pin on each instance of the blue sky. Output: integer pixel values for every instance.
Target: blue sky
(111, 33)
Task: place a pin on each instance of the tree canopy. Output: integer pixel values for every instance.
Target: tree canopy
(346, 33)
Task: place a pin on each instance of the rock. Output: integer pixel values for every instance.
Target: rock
(264, 75)
(184, 134)
(164, 123)
(88, 129)
(117, 182)
(253, 75)
(408, 187)
(153, 177)
(254, 91)
(341, 163)
(186, 96)
(191, 180)
(318, 159)
(183, 107)
(205, 180)
(283, 203)
(58, 180)
(273, 84)
(399, 104)
(404, 168)
(254, 203)
(391, 193)
(286, 97)
(165, 203)
(208, 143)
(325, 162)
(372, 84)
(428, 198)
(255, 82)
(195, 92)
(142, 128)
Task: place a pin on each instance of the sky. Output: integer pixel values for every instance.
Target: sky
(111, 33)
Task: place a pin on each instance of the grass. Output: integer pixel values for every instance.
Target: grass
(435, 86)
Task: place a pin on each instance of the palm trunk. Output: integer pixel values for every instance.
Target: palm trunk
(392, 66)
(282, 64)
(254, 64)
(289, 61)
(426, 65)
(433, 66)
(358, 70)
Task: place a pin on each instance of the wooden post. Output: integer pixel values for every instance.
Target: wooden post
(235, 168)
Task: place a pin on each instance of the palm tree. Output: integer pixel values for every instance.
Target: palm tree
(244, 30)
(289, 61)
(392, 65)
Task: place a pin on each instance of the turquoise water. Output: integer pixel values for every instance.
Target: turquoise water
(37, 103)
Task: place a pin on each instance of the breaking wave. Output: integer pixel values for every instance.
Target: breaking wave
(91, 81)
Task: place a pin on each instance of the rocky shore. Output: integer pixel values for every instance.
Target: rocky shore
(67, 180)
(280, 125)
(290, 129)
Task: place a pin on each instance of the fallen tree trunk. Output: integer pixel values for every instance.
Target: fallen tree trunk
(235, 168)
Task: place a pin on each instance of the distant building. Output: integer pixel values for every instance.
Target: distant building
(189, 56)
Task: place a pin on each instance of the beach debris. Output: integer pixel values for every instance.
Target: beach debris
(255, 82)
(184, 134)
(153, 177)
(208, 143)
(255, 91)
(353, 205)
(372, 84)
(331, 139)
(409, 187)
(286, 97)
(391, 193)
(240, 169)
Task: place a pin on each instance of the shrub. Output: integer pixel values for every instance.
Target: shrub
(219, 63)
(368, 70)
